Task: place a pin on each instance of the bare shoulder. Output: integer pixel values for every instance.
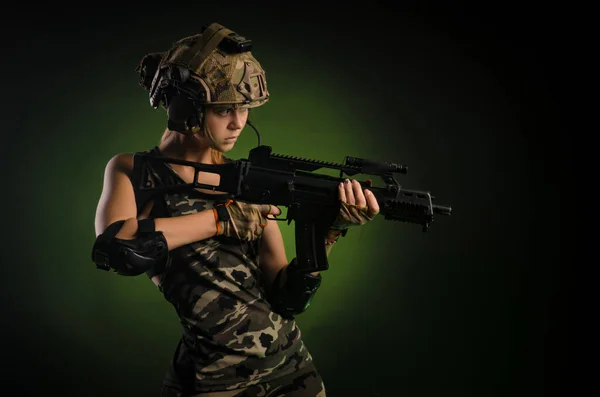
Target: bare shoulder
(117, 200)
(120, 163)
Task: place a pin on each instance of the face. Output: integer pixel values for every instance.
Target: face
(225, 124)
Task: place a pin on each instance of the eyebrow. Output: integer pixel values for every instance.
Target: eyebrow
(220, 108)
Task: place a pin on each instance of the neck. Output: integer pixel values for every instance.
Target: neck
(189, 148)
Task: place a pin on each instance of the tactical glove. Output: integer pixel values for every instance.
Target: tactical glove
(241, 220)
(351, 215)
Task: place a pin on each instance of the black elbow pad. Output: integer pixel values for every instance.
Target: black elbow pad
(296, 295)
(147, 251)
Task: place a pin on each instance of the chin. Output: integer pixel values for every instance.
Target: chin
(224, 148)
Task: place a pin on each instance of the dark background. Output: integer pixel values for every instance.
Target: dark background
(469, 98)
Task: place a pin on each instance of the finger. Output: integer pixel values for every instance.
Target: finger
(342, 192)
(349, 192)
(268, 209)
(372, 202)
(275, 210)
(263, 223)
(263, 219)
(359, 196)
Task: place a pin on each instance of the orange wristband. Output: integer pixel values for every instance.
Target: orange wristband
(217, 221)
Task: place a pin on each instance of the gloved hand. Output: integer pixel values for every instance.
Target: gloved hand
(242, 220)
(357, 208)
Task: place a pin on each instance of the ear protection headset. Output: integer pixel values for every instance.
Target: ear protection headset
(174, 87)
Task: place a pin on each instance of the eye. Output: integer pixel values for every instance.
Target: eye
(221, 111)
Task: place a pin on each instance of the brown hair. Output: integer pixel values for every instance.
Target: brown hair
(215, 156)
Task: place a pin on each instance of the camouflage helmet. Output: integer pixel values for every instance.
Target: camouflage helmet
(214, 67)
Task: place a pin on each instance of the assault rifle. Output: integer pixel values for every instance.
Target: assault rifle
(311, 198)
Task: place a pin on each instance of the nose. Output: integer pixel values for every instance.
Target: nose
(237, 120)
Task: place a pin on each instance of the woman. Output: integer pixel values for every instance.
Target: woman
(220, 262)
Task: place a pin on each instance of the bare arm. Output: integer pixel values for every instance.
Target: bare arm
(272, 252)
(117, 202)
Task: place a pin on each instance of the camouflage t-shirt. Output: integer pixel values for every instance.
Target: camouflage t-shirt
(232, 338)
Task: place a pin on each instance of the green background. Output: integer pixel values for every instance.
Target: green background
(474, 307)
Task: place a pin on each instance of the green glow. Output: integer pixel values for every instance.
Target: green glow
(307, 120)
(462, 310)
